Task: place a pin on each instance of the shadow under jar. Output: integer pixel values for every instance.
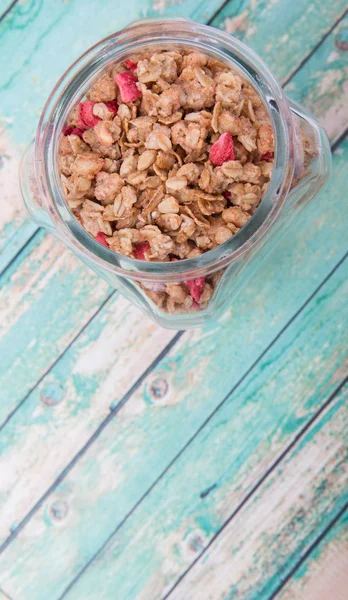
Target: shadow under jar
(301, 166)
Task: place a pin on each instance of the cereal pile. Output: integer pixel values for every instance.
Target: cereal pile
(168, 157)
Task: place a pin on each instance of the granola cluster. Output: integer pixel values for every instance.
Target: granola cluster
(167, 157)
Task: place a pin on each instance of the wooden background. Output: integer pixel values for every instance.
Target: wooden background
(138, 463)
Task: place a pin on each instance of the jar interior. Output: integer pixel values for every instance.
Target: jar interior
(211, 260)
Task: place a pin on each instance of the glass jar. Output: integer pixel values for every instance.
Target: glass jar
(301, 167)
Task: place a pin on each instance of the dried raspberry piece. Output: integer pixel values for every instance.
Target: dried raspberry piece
(130, 65)
(73, 131)
(101, 238)
(195, 305)
(77, 131)
(127, 85)
(267, 156)
(140, 249)
(112, 106)
(68, 130)
(226, 194)
(196, 287)
(222, 150)
(86, 117)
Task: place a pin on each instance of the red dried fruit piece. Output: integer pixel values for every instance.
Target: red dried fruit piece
(196, 287)
(130, 65)
(195, 305)
(267, 156)
(222, 150)
(73, 131)
(140, 249)
(112, 106)
(101, 238)
(226, 194)
(77, 131)
(68, 130)
(127, 85)
(86, 117)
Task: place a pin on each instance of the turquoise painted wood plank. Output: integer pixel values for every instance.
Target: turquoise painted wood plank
(324, 573)
(36, 321)
(322, 82)
(231, 451)
(15, 227)
(67, 407)
(5, 5)
(22, 444)
(300, 499)
(254, 23)
(30, 36)
(67, 329)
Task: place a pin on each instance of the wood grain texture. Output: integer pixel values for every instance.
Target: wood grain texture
(25, 451)
(281, 32)
(36, 320)
(50, 287)
(324, 574)
(322, 82)
(29, 36)
(233, 450)
(70, 403)
(44, 23)
(260, 545)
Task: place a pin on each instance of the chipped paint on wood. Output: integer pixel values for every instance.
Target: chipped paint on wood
(233, 450)
(273, 530)
(33, 304)
(322, 84)
(283, 33)
(200, 363)
(334, 127)
(71, 402)
(206, 360)
(34, 65)
(324, 574)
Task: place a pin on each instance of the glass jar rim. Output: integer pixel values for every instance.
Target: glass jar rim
(77, 80)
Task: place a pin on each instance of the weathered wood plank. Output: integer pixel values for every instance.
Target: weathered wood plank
(33, 304)
(298, 501)
(27, 452)
(67, 329)
(324, 574)
(5, 6)
(231, 452)
(30, 36)
(281, 32)
(70, 403)
(322, 82)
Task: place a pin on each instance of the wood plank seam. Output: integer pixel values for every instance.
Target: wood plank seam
(267, 473)
(339, 140)
(90, 441)
(8, 9)
(129, 394)
(114, 411)
(282, 81)
(216, 13)
(309, 550)
(100, 308)
(262, 480)
(1, 590)
(333, 148)
(303, 62)
(335, 144)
